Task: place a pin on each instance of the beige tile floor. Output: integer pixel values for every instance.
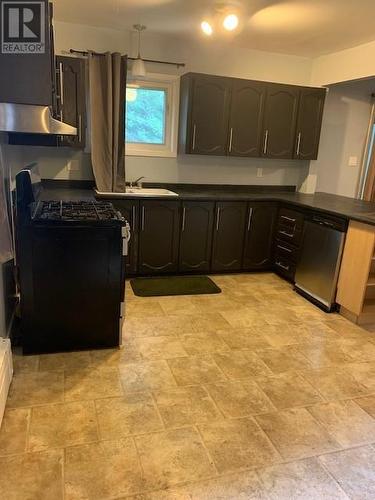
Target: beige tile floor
(250, 394)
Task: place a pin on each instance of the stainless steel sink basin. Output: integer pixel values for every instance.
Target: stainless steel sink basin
(141, 192)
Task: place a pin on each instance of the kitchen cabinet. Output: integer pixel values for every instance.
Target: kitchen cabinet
(130, 210)
(309, 123)
(246, 115)
(260, 227)
(236, 117)
(229, 233)
(196, 236)
(204, 114)
(158, 236)
(71, 98)
(280, 118)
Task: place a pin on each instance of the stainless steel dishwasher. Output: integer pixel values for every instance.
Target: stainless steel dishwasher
(319, 264)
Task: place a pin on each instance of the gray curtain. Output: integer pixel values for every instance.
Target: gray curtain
(107, 82)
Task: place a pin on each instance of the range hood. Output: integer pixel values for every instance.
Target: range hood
(27, 118)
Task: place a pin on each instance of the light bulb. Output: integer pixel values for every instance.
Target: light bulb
(206, 28)
(230, 22)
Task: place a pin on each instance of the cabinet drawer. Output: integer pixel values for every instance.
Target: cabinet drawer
(285, 267)
(290, 226)
(286, 251)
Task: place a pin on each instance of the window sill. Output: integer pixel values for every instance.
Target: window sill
(155, 154)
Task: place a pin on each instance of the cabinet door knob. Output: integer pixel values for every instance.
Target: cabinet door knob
(265, 146)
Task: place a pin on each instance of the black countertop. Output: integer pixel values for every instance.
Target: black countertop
(348, 208)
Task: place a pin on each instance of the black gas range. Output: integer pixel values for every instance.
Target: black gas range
(75, 211)
(70, 258)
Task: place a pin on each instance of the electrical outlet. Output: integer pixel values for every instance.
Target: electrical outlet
(259, 172)
(73, 166)
(353, 161)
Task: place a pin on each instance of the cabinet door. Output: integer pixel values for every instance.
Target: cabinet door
(72, 98)
(229, 235)
(210, 114)
(309, 123)
(259, 235)
(196, 236)
(130, 210)
(280, 119)
(246, 116)
(158, 237)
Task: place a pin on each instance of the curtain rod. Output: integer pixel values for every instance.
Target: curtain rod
(85, 53)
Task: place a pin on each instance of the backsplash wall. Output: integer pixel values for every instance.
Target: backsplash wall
(54, 164)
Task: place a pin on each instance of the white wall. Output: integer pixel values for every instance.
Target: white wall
(350, 64)
(201, 57)
(344, 130)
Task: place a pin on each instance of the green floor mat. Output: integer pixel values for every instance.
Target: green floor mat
(173, 285)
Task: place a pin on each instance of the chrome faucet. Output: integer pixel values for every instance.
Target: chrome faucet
(138, 182)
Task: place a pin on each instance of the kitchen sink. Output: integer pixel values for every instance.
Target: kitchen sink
(131, 192)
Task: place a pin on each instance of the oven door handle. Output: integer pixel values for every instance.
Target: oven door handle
(125, 233)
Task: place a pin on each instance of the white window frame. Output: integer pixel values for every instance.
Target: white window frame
(171, 84)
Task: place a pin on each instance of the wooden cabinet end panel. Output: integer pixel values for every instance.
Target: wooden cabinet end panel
(355, 266)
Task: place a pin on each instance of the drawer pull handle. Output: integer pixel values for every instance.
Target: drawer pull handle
(288, 218)
(284, 248)
(290, 235)
(286, 268)
(218, 218)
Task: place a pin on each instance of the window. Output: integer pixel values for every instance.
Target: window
(152, 117)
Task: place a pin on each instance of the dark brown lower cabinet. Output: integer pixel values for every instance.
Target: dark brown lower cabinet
(260, 228)
(158, 237)
(229, 233)
(130, 210)
(196, 236)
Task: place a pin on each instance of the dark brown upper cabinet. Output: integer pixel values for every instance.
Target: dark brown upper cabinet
(235, 117)
(196, 236)
(71, 98)
(309, 123)
(280, 118)
(260, 228)
(158, 236)
(204, 114)
(229, 232)
(246, 115)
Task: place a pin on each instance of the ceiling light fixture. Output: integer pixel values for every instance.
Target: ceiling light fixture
(230, 22)
(139, 67)
(206, 28)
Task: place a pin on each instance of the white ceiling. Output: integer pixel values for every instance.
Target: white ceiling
(300, 27)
